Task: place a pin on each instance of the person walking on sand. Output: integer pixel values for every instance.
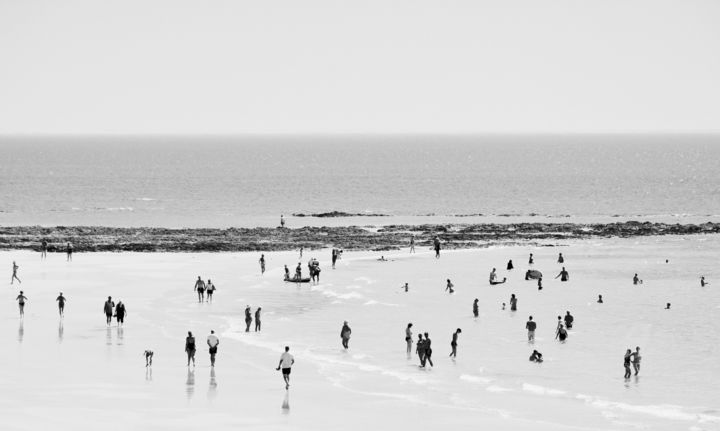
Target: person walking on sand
(21, 298)
(200, 288)
(257, 319)
(420, 350)
(69, 251)
(108, 310)
(345, 334)
(636, 360)
(475, 307)
(561, 334)
(412, 243)
(513, 302)
(436, 244)
(190, 348)
(408, 338)
(531, 260)
(569, 319)
(427, 345)
(510, 265)
(61, 304)
(14, 277)
(262, 264)
(212, 342)
(561, 259)
(43, 249)
(531, 326)
(449, 286)
(564, 275)
(285, 364)
(120, 313)
(626, 363)
(453, 343)
(248, 318)
(210, 289)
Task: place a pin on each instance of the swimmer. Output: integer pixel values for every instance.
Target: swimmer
(569, 319)
(626, 363)
(248, 318)
(190, 348)
(561, 259)
(561, 334)
(536, 357)
(61, 304)
(453, 343)
(564, 275)
(408, 338)
(600, 300)
(212, 342)
(200, 288)
(475, 307)
(21, 298)
(531, 326)
(14, 273)
(513, 302)
(285, 364)
(510, 265)
(449, 286)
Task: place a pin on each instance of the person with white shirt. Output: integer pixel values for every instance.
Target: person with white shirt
(286, 362)
(212, 342)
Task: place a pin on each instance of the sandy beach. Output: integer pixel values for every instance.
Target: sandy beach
(79, 374)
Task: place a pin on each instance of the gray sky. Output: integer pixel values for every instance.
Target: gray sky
(364, 66)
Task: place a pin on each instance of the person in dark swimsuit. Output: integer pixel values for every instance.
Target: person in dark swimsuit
(569, 319)
(61, 304)
(200, 288)
(536, 357)
(436, 244)
(257, 319)
(453, 343)
(510, 265)
(248, 318)
(21, 298)
(513, 302)
(626, 363)
(600, 300)
(262, 264)
(531, 260)
(420, 350)
(561, 334)
(43, 249)
(475, 307)
(190, 348)
(564, 275)
(561, 259)
(449, 286)
(428, 350)
(69, 251)
(540, 286)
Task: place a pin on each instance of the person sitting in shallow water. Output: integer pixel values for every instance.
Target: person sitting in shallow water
(667, 307)
(600, 300)
(536, 357)
(493, 278)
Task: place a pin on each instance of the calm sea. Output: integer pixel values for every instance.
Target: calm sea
(250, 181)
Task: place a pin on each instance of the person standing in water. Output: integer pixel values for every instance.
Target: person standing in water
(257, 319)
(626, 363)
(636, 360)
(408, 338)
(493, 278)
(210, 289)
(636, 279)
(190, 348)
(200, 288)
(436, 244)
(262, 264)
(21, 298)
(513, 302)
(600, 300)
(334, 257)
(475, 308)
(449, 286)
(61, 304)
(14, 273)
(420, 350)
(531, 260)
(212, 342)
(282, 221)
(120, 313)
(703, 283)
(564, 275)
(345, 334)
(287, 273)
(69, 251)
(248, 318)
(569, 320)
(561, 259)
(412, 243)
(285, 364)
(43, 249)
(108, 310)
(510, 265)
(427, 345)
(561, 334)
(298, 272)
(453, 343)
(531, 326)
(406, 287)
(301, 251)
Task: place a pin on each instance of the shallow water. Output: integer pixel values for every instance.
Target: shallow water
(80, 374)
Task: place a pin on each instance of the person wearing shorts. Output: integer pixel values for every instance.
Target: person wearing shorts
(212, 342)
(285, 364)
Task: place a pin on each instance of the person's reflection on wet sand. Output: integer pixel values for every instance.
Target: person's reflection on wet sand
(148, 374)
(21, 331)
(108, 337)
(61, 331)
(212, 389)
(120, 333)
(286, 402)
(190, 383)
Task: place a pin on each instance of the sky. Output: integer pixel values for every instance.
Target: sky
(364, 66)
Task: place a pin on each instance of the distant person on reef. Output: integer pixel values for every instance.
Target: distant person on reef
(262, 264)
(120, 313)
(531, 260)
(69, 252)
(436, 244)
(412, 243)
(282, 221)
(569, 319)
(43, 249)
(334, 257)
(626, 363)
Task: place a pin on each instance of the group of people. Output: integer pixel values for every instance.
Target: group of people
(249, 319)
(190, 348)
(203, 288)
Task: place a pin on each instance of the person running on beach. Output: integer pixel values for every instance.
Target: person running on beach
(531, 326)
(475, 307)
(108, 310)
(513, 302)
(262, 264)
(600, 301)
(14, 273)
(428, 350)
(69, 251)
(190, 348)
(412, 243)
(248, 318)
(626, 363)
(703, 282)
(43, 249)
(282, 221)
(257, 319)
(531, 260)
(408, 338)
(345, 334)
(453, 343)
(636, 360)
(285, 364)
(540, 286)
(449, 286)
(212, 342)
(210, 289)
(200, 288)
(420, 350)
(636, 279)
(564, 275)
(569, 320)
(21, 298)
(536, 357)
(561, 259)
(120, 313)
(61, 304)
(561, 334)
(510, 265)
(436, 244)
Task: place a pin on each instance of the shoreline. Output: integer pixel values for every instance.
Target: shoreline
(391, 237)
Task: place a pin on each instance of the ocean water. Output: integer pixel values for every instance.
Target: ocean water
(250, 181)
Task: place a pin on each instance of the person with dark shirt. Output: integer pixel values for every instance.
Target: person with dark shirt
(636, 279)
(540, 286)
(190, 348)
(248, 318)
(262, 264)
(561, 259)
(420, 350)
(436, 244)
(536, 357)
(453, 343)
(626, 363)
(513, 302)
(334, 257)
(345, 334)
(569, 319)
(475, 307)
(600, 300)
(120, 313)
(510, 265)
(564, 275)
(108, 309)
(257, 319)
(428, 350)
(531, 326)
(61, 304)
(406, 287)
(667, 306)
